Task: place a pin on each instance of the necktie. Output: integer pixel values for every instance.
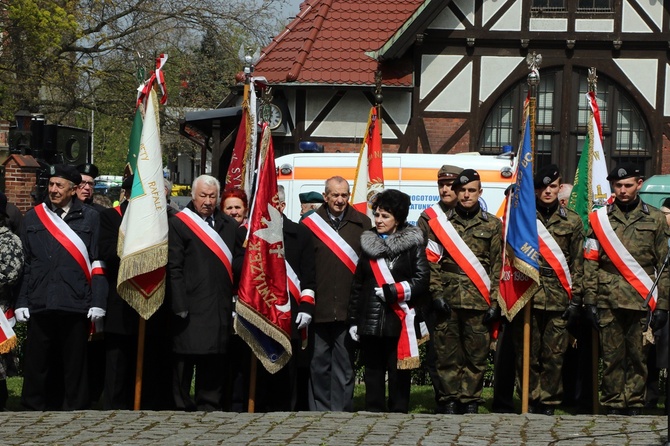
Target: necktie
(210, 221)
(60, 212)
(336, 223)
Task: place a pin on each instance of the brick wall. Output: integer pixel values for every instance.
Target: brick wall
(664, 162)
(20, 178)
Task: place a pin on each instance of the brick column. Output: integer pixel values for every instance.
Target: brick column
(20, 179)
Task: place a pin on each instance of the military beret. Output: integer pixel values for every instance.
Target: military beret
(448, 172)
(88, 169)
(127, 182)
(623, 171)
(465, 177)
(65, 171)
(545, 176)
(310, 197)
(3, 204)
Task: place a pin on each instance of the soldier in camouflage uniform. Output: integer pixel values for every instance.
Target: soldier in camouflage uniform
(463, 315)
(445, 178)
(614, 306)
(552, 308)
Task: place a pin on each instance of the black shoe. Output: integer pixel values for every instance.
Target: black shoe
(471, 408)
(547, 410)
(449, 408)
(634, 411)
(613, 411)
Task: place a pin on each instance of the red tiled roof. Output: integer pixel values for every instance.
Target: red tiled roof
(327, 41)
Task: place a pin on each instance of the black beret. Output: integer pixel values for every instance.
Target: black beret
(465, 177)
(310, 197)
(88, 169)
(128, 182)
(65, 171)
(545, 176)
(623, 171)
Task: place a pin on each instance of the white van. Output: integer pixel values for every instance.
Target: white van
(413, 173)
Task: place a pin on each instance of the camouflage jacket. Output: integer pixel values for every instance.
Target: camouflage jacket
(483, 235)
(644, 232)
(567, 229)
(422, 223)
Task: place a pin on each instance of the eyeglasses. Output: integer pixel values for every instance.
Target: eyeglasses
(86, 183)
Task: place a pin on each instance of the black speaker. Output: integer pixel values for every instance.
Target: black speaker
(72, 145)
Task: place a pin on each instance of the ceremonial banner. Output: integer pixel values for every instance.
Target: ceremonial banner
(143, 234)
(236, 175)
(369, 179)
(263, 307)
(7, 336)
(520, 274)
(591, 189)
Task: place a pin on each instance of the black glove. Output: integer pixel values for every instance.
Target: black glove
(658, 319)
(571, 314)
(491, 315)
(592, 316)
(441, 306)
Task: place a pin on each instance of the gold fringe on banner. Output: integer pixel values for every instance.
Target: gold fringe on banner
(408, 363)
(8, 345)
(253, 317)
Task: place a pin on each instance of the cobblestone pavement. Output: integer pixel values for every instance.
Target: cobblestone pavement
(325, 428)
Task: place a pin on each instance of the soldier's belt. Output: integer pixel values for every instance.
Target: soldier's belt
(610, 268)
(547, 272)
(450, 268)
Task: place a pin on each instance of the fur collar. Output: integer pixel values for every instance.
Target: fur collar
(398, 242)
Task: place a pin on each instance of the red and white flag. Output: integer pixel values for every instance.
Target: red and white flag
(240, 173)
(263, 307)
(7, 335)
(369, 179)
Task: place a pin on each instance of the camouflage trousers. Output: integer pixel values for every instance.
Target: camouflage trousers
(624, 358)
(548, 343)
(462, 347)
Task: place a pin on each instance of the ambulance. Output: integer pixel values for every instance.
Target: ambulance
(413, 173)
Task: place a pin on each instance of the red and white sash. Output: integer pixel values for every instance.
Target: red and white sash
(332, 239)
(299, 295)
(408, 348)
(629, 268)
(459, 250)
(554, 256)
(69, 239)
(209, 237)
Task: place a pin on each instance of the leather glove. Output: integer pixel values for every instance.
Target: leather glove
(303, 319)
(95, 313)
(571, 314)
(183, 314)
(353, 332)
(22, 314)
(379, 292)
(491, 315)
(658, 319)
(441, 306)
(592, 316)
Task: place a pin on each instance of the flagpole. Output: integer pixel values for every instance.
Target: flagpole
(534, 62)
(595, 351)
(139, 370)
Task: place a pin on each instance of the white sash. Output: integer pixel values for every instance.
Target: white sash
(215, 242)
(554, 256)
(332, 239)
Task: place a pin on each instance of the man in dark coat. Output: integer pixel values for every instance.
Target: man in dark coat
(286, 390)
(205, 255)
(59, 293)
(333, 225)
(121, 327)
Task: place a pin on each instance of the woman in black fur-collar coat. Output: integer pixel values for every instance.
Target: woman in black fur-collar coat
(394, 250)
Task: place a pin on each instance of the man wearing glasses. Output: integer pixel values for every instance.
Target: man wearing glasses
(86, 188)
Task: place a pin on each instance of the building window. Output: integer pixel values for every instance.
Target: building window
(548, 5)
(625, 133)
(595, 6)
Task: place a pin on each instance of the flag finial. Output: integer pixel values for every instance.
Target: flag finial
(592, 79)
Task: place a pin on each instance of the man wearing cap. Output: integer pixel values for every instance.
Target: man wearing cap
(309, 202)
(445, 178)
(626, 243)
(465, 291)
(557, 301)
(86, 189)
(63, 285)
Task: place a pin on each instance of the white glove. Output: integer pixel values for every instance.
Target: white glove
(379, 292)
(95, 313)
(353, 332)
(22, 314)
(182, 314)
(303, 319)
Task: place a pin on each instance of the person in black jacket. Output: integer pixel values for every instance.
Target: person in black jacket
(58, 293)
(372, 314)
